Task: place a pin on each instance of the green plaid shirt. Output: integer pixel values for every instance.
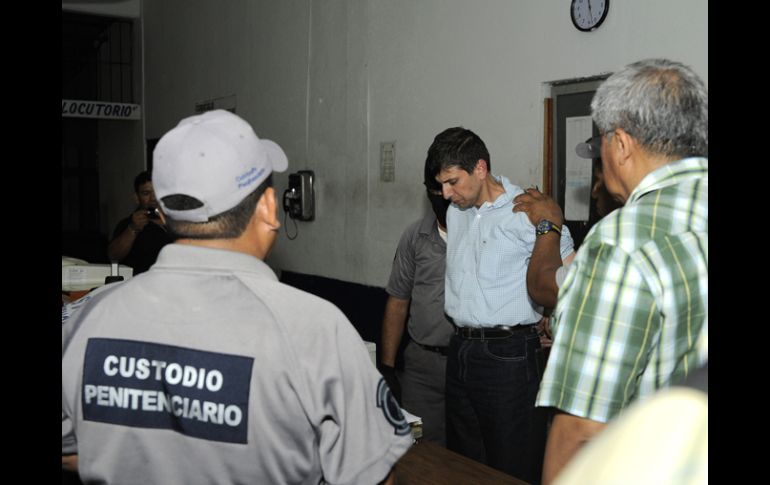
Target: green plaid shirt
(632, 315)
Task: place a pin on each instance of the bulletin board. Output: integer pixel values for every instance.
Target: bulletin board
(571, 177)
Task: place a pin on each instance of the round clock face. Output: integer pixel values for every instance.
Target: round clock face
(588, 15)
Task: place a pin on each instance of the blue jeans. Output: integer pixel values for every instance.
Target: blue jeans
(491, 387)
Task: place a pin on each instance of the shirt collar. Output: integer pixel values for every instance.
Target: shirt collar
(509, 192)
(670, 174)
(427, 224)
(429, 227)
(188, 257)
(441, 233)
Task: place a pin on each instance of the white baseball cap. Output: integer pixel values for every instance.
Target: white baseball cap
(216, 158)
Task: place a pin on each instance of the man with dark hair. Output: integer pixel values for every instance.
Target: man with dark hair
(632, 316)
(416, 289)
(492, 374)
(605, 203)
(207, 369)
(137, 239)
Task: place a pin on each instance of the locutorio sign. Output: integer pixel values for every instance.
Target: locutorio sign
(72, 108)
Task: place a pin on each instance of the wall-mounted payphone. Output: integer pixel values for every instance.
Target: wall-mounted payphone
(299, 198)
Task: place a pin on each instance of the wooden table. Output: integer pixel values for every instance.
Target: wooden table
(70, 296)
(431, 464)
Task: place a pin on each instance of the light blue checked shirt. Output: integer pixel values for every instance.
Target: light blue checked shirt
(488, 251)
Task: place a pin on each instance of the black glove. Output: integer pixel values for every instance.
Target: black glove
(389, 373)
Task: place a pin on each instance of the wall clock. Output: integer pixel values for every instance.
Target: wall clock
(588, 15)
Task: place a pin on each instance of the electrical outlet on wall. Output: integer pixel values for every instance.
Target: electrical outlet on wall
(388, 161)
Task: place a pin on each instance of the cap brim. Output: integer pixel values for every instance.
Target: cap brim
(584, 150)
(590, 148)
(278, 160)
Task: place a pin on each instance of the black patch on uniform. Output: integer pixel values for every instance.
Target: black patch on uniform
(147, 385)
(391, 409)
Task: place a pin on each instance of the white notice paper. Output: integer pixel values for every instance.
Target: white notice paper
(577, 187)
(372, 348)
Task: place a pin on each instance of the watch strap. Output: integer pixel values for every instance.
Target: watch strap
(545, 226)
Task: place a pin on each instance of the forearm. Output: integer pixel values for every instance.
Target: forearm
(541, 273)
(69, 463)
(390, 479)
(121, 245)
(567, 435)
(393, 324)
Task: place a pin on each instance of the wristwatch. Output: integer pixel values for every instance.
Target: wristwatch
(545, 226)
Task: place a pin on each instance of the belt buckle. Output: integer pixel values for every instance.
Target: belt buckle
(465, 332)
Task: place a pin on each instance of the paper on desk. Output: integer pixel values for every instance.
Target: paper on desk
(411, 418)
(372, 348)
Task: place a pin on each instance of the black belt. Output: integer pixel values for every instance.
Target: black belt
(498, 332)
(433, 348)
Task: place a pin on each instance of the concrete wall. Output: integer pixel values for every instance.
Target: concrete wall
(329, 80)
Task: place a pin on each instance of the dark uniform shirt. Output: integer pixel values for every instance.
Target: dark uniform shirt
(418, 273)
(147, 245)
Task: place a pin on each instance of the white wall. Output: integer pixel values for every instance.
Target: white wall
(331, 79)
(107, 8)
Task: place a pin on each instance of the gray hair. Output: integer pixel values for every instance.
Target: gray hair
(662, 104)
